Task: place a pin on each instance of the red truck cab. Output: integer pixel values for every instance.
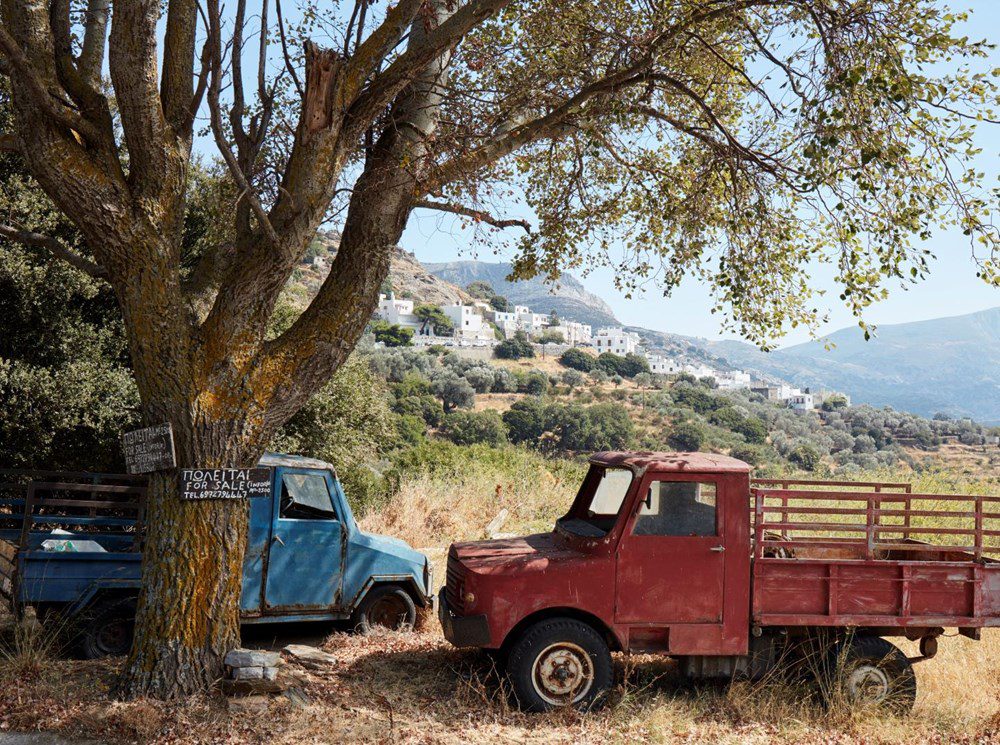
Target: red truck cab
(656, 555)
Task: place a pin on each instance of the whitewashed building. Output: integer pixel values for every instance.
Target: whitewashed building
(660, 365)
(801, 401)
(575, 334)
(617, 341)
(733, 379)
(398, 312)
(469, 323)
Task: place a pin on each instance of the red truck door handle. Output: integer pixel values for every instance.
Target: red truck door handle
(717, 549)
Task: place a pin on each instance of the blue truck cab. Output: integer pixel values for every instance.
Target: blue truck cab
(71, 543)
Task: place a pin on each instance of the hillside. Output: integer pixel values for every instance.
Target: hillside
(407, 276)
(943, 365)
(569, 299)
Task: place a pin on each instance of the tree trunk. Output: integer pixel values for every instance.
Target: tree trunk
(188, 613)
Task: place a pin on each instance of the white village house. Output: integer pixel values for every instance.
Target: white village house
(617, 341)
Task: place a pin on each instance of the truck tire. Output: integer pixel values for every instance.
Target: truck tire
(559, 662)
(388, 606)
(874, 672)
(106, 629)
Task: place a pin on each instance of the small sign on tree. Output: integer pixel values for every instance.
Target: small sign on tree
(224, 483)
(149, 449)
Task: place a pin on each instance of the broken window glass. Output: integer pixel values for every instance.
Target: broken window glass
(677, 508)
(305, 496)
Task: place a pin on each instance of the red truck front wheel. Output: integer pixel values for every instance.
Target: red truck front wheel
(559, 662)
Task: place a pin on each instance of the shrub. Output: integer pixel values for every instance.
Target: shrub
(696, 399)
(535, 383)
(410, 429)
(633, 364)
(611, 363)
(481, 378)
(454, 391)
(525, 421)
(686, 436)
(806, 456)
(599, 376)
(753, 430)
(473, 428)
(644, 380)
(611, 427)
(514, 349)
(504, 381)
(392, 336)
(572, 378)
(751, 454)
(577, 359)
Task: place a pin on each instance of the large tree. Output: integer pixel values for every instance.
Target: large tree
(736, 139)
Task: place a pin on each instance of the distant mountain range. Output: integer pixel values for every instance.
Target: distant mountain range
(948, 365)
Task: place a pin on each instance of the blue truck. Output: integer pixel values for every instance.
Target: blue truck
(71, 545)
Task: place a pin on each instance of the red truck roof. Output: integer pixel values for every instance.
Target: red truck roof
(681, 462)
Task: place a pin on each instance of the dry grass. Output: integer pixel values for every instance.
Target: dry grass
(416, 688)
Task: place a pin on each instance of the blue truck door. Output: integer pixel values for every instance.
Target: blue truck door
(305, 556)
(255, 559)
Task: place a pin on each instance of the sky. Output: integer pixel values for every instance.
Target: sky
(951, 289)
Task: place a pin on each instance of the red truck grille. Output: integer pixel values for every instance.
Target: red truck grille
(455, 587)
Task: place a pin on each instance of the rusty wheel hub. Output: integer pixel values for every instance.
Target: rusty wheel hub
(562, 674)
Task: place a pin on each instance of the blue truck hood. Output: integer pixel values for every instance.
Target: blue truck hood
(388, 545)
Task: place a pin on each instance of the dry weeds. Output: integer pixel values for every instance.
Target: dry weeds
(415, 688)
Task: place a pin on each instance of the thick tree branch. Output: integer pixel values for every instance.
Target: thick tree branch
(177, 94)
(48, 103)
(94, 41)
(372, 52)
(405, 68)
(477, 215)
(54, 247)
(133, 66)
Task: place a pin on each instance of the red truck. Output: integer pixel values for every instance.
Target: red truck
(683, 554)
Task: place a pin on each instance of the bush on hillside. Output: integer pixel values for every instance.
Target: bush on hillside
(577, 359)
(516, 348)
(474, 428)
(686, 437)
(806, 456)
(572, 378)
(454, 391)
(535, 383)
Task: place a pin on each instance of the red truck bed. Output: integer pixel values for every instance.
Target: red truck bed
(827, 554)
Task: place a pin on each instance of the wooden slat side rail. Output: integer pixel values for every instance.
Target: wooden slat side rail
(787, 483)
(790, 519)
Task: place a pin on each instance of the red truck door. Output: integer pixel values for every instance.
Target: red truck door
(673, 566)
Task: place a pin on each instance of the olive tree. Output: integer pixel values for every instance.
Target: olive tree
(739, 140)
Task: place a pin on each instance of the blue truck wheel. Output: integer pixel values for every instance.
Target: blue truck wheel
(106, 629)
(388, 606)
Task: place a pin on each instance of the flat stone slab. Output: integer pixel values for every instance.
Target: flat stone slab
(252, 658)
(310, 657)
(247, 673)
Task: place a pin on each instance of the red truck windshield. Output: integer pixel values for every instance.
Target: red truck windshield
(598, 503)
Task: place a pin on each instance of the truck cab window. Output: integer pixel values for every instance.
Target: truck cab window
(677, 508)
(305, 496)
(600, 500)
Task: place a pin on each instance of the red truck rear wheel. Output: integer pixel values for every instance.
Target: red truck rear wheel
(559, 662)
(874, 672)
